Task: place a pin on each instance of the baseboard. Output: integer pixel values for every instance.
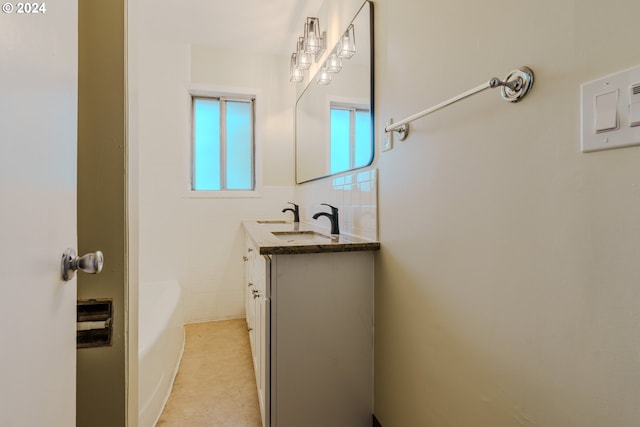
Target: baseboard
(376, 423)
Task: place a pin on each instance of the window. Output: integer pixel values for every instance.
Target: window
(351, 145)
(223, 144)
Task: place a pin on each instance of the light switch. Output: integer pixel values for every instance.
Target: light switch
(607, 111)
(610, 111)
(634, 114)
(634, 105)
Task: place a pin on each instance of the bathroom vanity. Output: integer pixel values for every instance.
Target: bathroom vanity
(309, 308)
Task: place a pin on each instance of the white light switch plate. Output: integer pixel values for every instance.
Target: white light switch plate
(623, 135)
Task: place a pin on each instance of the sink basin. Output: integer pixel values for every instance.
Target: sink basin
(272, 221)
(293, 236)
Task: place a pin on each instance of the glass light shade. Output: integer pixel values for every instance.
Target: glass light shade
(296, 75)
(324, 78)
(347, 46)
(334, 63)
(303, 59)
(312, 38)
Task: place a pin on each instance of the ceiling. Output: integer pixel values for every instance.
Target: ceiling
(261, 26)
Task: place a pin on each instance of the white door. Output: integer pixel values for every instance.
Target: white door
(38, 115)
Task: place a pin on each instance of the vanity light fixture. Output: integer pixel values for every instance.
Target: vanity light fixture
(313, 41)
(347, 46)
(303, 59)
(324, 78)
(296, 75)
(309, 47)
(334, 63)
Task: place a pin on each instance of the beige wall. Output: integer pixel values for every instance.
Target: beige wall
(507, 284)
(101, 376)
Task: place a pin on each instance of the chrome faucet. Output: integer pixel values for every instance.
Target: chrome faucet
(295, 210)
(333, 216)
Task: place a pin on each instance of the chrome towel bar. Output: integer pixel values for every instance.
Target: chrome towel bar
(515, 86)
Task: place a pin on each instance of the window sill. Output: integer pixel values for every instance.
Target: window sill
(240, 194)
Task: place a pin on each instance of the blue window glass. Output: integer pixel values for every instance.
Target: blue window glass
(223, 153)
(340, 140)
(351, 145)
(206, 144)
(239, 146)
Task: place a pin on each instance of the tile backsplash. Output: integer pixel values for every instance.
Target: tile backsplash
(355, 195)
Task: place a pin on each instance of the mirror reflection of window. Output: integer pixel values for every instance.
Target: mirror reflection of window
(350, 137)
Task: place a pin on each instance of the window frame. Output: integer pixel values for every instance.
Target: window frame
(224, 95)
(224, 142)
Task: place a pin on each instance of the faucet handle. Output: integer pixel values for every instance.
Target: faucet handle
(295, 210)
(333, 208)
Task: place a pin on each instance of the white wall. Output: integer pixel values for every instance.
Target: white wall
(199, 241)
(507, 287)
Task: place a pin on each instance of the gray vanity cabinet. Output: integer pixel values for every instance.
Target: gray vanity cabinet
(310, 318)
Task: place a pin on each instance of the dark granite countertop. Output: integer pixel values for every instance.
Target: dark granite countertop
(278, 238)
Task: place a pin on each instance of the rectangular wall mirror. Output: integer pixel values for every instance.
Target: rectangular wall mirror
(334, 121)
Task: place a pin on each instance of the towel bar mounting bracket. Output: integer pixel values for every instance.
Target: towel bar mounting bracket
(516, 85)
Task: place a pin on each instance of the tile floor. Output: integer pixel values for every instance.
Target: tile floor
(215, 385)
